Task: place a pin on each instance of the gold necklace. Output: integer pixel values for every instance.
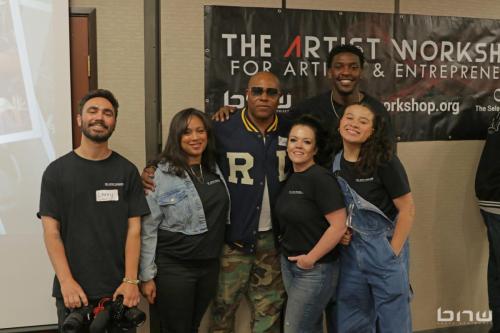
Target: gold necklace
(200, 177)
(333, 104)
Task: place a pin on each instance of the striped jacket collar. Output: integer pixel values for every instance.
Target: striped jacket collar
(249, 125)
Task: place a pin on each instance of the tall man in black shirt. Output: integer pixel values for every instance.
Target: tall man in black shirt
(488, 195)
(91, 205)
(345, 70)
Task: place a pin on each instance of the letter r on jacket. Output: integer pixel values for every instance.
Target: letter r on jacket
(241, 168)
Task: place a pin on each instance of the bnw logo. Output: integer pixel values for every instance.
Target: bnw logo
(238, 101)
(465, 316)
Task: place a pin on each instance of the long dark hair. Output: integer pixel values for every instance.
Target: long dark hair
(377, 149)
(323, 155)
(173, 153)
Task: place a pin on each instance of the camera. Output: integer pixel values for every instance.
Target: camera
(125, 317)
(105, 314)
(77, 318)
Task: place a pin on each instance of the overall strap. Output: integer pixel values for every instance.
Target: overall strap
(336, 161)
(359, 201)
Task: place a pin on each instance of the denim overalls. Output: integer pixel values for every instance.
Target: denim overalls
(374, 285)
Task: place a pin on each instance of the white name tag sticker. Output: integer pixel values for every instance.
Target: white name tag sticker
(106, 195)
(282, 141)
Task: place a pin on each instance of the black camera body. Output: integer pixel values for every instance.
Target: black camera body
(78, 317)
(125, 317)
(99, 318)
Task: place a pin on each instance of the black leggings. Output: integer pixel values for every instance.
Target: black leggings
(184, 291)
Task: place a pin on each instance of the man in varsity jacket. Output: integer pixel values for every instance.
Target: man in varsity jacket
(488, 194)
(251, 148)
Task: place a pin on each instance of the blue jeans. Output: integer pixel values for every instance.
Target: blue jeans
(308, 290)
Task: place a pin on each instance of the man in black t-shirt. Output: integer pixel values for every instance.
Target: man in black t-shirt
(345, 64)
(488, 195)
(91, 204)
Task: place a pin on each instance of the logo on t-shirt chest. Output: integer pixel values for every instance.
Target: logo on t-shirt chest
(113, 184)
(364, 180)
(295, 192)
(213, 182)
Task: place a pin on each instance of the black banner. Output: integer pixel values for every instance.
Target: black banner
(437, 76)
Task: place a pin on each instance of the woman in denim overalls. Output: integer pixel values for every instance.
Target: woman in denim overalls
(374, 290)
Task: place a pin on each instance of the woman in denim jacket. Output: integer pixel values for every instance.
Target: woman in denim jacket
(182, 238)
(374, 291)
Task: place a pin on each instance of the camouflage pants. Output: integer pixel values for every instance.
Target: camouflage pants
(255, 276)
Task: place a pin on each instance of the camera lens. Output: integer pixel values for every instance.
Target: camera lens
(76, 319)
(135, 316)
(72, 323)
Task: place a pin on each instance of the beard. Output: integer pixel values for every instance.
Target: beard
(99, 137)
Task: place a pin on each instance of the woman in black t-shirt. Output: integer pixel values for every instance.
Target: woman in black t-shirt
(182, 238)
(374, 289)
(311, 214)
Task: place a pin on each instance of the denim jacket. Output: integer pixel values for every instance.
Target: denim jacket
(175, 206)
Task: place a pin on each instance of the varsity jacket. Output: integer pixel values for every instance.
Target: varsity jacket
(246, 160)
(488, 170)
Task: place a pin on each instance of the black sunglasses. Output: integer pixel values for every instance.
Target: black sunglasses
(271, 92)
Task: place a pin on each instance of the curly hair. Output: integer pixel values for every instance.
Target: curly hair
(346, 48)
(377, 149)
(173, 153)
(324, 153)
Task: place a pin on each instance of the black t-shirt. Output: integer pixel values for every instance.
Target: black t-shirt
(388, 182)
(92, 200)
(207, 245)
(301, 208)
(488, 171)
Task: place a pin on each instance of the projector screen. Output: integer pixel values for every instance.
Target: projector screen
(35, 128)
